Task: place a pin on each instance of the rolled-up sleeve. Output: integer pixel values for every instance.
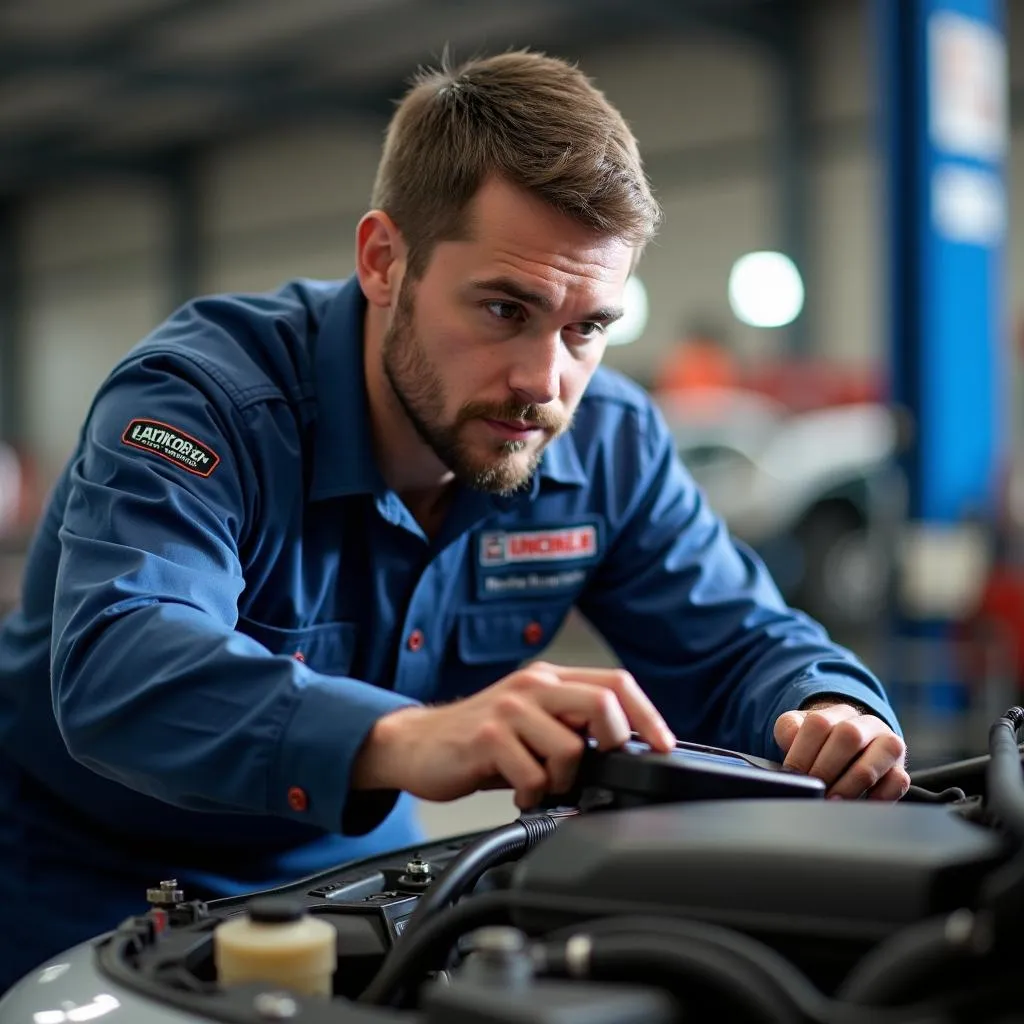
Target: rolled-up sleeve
(695, 616)
(152, 684)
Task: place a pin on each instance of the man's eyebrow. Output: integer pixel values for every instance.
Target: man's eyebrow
(604, 315)
(505, 285)
(508, 287)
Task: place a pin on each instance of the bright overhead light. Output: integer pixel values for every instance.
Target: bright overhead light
(636, 310)
(765, 289)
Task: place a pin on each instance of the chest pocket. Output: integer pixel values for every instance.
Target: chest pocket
(329, 647)
(513, 635)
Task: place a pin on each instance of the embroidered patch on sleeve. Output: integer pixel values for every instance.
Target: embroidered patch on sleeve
(172, 444)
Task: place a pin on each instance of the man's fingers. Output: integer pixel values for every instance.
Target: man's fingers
(786, 728)
(892, 786)
(558, 747)
(521, 770)
(845, 742)
(884, 753)
(813, 732)
(596, 708)
(644, 718)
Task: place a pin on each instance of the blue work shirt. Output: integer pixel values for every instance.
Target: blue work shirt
(224, 596)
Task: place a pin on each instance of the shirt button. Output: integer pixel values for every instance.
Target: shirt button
(297, 799)
(533, 633)
(415, 641)
(299, 656)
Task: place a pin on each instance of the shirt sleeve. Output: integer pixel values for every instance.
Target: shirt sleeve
(152, 684)
(695, 616)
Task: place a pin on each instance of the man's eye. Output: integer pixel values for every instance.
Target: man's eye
(503, 310)
(589, 329)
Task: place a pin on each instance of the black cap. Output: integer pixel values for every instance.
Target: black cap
(275, 910)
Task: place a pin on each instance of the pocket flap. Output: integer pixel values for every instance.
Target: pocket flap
(507, 634)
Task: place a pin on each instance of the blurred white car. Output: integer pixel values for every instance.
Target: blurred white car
(817, 494)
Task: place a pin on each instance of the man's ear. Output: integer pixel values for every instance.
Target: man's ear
(380, 258)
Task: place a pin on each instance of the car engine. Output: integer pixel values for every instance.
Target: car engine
(697, 884)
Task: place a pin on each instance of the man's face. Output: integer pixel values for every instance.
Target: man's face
(490, 351)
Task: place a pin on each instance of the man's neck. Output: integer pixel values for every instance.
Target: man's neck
(429, 508)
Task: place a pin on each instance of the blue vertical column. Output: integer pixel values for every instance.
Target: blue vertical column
(943, 103)
(944, 137)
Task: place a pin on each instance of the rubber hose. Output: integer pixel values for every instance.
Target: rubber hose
(909, 961)
(503, 844)
(428, 949)
(739, 993)
(779, 972)
(1005, 784)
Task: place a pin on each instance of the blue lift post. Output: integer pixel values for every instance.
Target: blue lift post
(944, 136)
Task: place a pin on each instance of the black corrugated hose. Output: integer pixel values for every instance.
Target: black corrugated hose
(1003, 893)
(1004, 784)
(503, 844)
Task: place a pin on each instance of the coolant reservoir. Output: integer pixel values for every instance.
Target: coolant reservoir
(278, 943)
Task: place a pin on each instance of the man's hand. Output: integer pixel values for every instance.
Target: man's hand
(852, 753)
(526, 732)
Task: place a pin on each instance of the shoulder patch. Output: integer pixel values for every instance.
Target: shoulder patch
(172, 444)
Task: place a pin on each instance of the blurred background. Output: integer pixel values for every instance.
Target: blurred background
(831, 317)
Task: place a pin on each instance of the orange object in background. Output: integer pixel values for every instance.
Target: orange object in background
(805, 384)
(697, 363)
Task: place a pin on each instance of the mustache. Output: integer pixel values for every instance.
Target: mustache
(512, 412)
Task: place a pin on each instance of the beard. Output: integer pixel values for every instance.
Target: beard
(495, 469)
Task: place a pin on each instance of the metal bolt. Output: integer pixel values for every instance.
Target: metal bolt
(167, 893)
(418, 869)
(275, 1005)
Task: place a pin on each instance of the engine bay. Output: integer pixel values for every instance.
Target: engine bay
(664, 888)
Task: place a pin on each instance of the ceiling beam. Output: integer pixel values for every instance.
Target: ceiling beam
(275, 91)
(110, 51)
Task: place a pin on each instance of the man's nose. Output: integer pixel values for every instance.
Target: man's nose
(535, 376)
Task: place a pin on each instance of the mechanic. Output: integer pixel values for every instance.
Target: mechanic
(290, 577)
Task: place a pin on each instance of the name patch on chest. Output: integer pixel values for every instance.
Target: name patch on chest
(527, 563)
(505, 547)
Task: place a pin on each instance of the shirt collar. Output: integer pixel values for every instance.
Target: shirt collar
(343, 457)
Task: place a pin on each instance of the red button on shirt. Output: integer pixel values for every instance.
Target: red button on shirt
(415, 641)
(297, 799)
(533, 633)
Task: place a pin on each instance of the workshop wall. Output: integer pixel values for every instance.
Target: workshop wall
(286, 204)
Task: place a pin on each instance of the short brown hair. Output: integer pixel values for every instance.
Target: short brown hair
(533, 120)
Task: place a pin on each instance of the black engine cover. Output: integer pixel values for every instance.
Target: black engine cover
(776, 868)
